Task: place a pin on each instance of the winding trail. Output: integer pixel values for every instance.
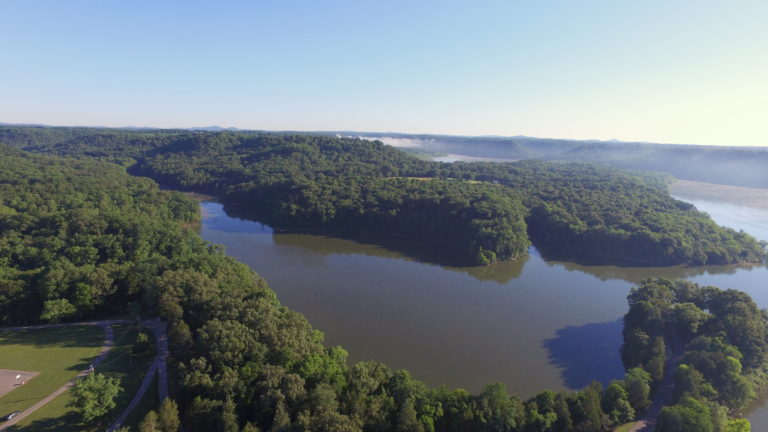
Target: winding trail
(158, 366)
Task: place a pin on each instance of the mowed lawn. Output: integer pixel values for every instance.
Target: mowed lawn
(120, 363)
(58, 354)
(625, 427)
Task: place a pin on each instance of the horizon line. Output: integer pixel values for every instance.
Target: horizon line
(216, 128)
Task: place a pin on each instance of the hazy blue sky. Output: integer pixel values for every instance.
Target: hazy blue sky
(667, 71)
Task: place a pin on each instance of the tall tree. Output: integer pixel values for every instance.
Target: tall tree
(95, 395)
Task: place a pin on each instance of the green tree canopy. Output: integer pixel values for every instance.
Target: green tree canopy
(95, 395)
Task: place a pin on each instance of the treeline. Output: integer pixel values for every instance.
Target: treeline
(486, 212)
(83, 239)
(713, 342)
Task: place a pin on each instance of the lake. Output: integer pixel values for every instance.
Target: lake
(532, 324)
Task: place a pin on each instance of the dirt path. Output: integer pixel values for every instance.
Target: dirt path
(662, 396)
(109, 341)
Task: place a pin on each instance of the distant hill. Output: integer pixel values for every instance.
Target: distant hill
(137, 128)
(729, 165)
(216, 129)
(738, 166)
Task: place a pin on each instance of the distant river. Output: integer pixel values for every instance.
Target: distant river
(532, 324)
(739, 217)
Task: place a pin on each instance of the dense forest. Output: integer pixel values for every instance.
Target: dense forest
(77, 236)
(484, 212)
(714, 343)
(81, 239)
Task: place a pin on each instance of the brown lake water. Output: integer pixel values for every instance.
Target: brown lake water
(532, 324)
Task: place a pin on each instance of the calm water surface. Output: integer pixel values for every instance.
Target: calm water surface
(533, 324)
(749, 219)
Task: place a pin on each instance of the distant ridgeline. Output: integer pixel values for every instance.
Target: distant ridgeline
(733, 165)
(81, 239)
(485, 211)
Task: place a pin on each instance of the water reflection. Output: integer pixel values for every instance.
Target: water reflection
(226, 219)
(501, 272)
(637, 274)
(216, 217)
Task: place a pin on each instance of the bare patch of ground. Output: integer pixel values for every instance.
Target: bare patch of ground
(749, 197)
(8, 380)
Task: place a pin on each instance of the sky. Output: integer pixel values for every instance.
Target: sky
(693, 72)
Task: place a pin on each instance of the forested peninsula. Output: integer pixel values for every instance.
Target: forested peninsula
(484, 212)
(711, 344)
(82, 239)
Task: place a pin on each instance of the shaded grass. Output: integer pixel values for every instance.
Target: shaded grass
(58, 354)
(56, 415)
(625, 427)
(120, 363)
(149, 402)
(130, 369)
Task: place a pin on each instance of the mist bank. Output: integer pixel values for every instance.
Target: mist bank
(728, 165)
(749, 197)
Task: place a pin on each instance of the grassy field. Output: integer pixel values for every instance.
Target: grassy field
(149, 402)
(624, 427)
(120, 363)
(57, 354)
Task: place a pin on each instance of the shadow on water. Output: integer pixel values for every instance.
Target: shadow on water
(586, 353)
(227, 220)
(637, 274)
(421, 250)
(606, 267)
